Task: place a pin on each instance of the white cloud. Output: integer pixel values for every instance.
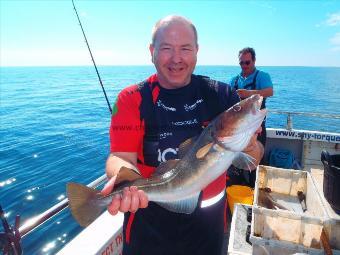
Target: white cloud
(333, 19)
(335, 41)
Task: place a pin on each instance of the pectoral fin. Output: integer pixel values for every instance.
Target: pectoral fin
(182, 206)
(204, 150)
(127, 174)
(244, 161)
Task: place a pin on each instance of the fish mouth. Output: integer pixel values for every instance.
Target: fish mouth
(259, 102)
(247, 123)
(247, 130)
(255, 119)
(255, 122)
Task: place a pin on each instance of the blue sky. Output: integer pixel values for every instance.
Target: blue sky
(283, 33)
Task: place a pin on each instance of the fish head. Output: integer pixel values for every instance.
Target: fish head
(235, 126)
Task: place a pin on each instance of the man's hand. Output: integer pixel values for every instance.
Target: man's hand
(244, 93)
(131, 200)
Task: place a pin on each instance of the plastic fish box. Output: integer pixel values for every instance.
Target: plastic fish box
(293, 225)
(332, 222)
(263, 246)
(237, 244)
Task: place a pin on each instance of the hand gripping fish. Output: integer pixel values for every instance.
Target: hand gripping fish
(176, 184)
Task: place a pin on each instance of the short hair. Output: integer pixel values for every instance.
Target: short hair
(248, 50)
(171, 19)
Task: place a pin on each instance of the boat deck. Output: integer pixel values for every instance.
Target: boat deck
(235, 238)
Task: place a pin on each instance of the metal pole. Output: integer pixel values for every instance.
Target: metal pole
(310, 114)
(289, 122)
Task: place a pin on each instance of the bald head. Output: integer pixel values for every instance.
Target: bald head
(170, 20)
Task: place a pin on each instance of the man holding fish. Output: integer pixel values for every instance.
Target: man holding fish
(173, 140)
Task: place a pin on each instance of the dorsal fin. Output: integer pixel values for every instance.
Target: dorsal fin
(166, 166)
(204, 150)
(184, 147)
(127, 174)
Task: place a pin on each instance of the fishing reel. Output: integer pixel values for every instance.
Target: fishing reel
(10, 238)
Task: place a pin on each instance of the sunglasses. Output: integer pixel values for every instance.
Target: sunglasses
(245, 63)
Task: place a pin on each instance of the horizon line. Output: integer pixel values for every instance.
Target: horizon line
(143, 65)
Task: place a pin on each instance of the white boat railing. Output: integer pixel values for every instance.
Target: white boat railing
(36, 221)
(289, 125)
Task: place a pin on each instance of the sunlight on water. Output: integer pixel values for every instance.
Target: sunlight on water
(32, 189)
(7, 182)
(30, 197)
(49, 246)
(53, 244)
(61, 197)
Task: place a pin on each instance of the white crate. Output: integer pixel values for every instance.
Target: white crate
(237, 239)
(289, 226)
(274, 247)
(332, 223)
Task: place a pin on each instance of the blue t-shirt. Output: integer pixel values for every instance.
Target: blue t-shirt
(263, 80)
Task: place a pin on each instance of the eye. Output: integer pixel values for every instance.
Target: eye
(237, 108)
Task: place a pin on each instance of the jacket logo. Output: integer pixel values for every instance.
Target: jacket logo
(193, 106)
(167, 108)
(185, 122)
(162, 155)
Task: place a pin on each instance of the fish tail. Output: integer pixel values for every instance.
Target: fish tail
(84, 203)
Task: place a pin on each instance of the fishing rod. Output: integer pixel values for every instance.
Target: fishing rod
(94, 63)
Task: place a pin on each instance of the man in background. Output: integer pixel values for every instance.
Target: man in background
(252, 81)
(247, 83)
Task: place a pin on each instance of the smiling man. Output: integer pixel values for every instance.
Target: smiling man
(150, 121)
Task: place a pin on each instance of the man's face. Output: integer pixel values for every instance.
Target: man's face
(174, 55)
(247, 64)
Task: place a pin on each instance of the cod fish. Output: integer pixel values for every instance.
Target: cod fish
(176, 184)
(266, 200)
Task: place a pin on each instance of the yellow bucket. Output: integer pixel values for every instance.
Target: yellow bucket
(239, 194)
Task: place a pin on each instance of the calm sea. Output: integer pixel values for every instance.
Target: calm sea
(55, 121)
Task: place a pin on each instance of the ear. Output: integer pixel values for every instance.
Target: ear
(151, 49)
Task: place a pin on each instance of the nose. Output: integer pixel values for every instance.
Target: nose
(176, 56)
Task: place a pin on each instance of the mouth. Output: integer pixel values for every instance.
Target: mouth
(176, 70)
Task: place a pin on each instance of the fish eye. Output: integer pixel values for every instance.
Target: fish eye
(237, 108)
